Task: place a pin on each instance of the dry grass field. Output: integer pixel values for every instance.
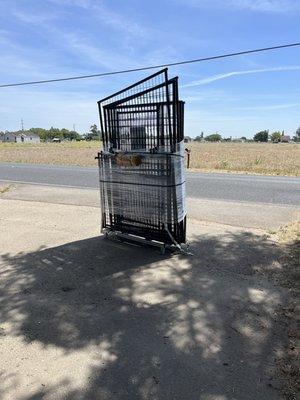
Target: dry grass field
(260, 158)
(66, 153)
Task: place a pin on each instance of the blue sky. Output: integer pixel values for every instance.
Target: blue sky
(237, 96)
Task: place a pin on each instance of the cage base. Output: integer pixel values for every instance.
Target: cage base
(140, 241)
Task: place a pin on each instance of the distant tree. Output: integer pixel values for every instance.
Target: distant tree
(93, 134)
(244, 138)
(65, 133)
(55, 133)
(276, 136)
(75, 135)
(215, 137)
(297, 135)
(94, 129)
(199, 138)
(71, 135)
(261, 136)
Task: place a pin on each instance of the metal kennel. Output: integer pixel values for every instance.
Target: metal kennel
(141, 167)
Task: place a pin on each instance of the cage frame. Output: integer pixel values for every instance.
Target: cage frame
(168, 110)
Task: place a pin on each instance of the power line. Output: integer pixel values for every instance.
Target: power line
(125, 71)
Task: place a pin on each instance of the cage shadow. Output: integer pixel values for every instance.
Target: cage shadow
(176, 327)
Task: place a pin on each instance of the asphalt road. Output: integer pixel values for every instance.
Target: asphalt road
(217, 186)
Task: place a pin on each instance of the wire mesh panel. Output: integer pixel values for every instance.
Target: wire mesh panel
(141, 167)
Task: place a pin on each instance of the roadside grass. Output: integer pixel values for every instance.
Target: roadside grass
(254, 158)
(288, 238)
(290, 234)
(4, 189)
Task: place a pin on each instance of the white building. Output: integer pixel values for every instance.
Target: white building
(20, 137)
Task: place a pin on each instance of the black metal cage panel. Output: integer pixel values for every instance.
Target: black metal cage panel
(145, 115)
(141, 165)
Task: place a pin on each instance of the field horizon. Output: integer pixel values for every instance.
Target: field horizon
(249, 157)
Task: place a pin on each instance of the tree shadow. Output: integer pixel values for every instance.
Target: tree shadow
(171, 327)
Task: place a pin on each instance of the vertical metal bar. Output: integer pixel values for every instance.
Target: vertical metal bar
(101, 123)
(106, 127)
(168, 106)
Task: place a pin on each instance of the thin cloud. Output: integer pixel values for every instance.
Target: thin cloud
(76, 42)
(270, 107)
(276, 6)
(226, 75)
(108, 16)
(266, 6)
(36, 19)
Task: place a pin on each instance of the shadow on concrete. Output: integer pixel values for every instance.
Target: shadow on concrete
(172, 327)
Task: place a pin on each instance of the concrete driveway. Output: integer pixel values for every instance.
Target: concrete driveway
(83, 318)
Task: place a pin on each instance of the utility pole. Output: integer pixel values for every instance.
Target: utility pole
(73, 127)
(22, 125)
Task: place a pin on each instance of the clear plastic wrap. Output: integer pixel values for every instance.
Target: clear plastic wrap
(144, 185)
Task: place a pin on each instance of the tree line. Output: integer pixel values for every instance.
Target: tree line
(94, 134)
(64, 134)
(262, 136)
(277, 136)
(50, 134)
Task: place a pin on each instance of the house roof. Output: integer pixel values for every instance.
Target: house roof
(22, 133)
